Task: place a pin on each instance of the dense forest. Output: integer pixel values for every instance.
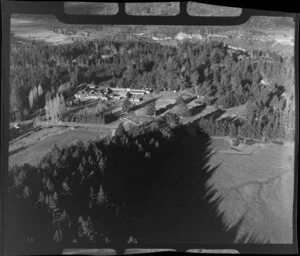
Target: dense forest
(82, 194)
(228, 78)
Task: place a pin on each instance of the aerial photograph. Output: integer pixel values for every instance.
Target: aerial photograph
(122, 135)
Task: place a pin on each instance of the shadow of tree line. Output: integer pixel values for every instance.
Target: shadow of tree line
(142, 105)
(142, 187)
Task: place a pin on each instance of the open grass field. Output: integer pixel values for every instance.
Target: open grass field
(29, 138)
(165, 99)
(47, 36)
(206, 111)
(138, 119)
(32, 148)
(258, 187)
(169, 98)
(38, 28)
(275, 34)
(41, 28)
(239, 111)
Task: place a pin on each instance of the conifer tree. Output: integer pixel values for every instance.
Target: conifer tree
(151, 108)
(126, 104)
(101, 198)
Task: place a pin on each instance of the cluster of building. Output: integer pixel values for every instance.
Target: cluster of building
(17, 129)
(91, 91)
(237, 52)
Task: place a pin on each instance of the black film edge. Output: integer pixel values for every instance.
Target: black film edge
(121, 18)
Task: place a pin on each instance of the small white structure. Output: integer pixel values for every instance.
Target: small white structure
(155, 38)
(135, 100)
(91, 86)
(106, 56)
(237, 48)
(104, 98)
(264, 82)
(182, 36)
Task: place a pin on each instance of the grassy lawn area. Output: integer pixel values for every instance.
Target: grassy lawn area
(239, 111)
(34, 147)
